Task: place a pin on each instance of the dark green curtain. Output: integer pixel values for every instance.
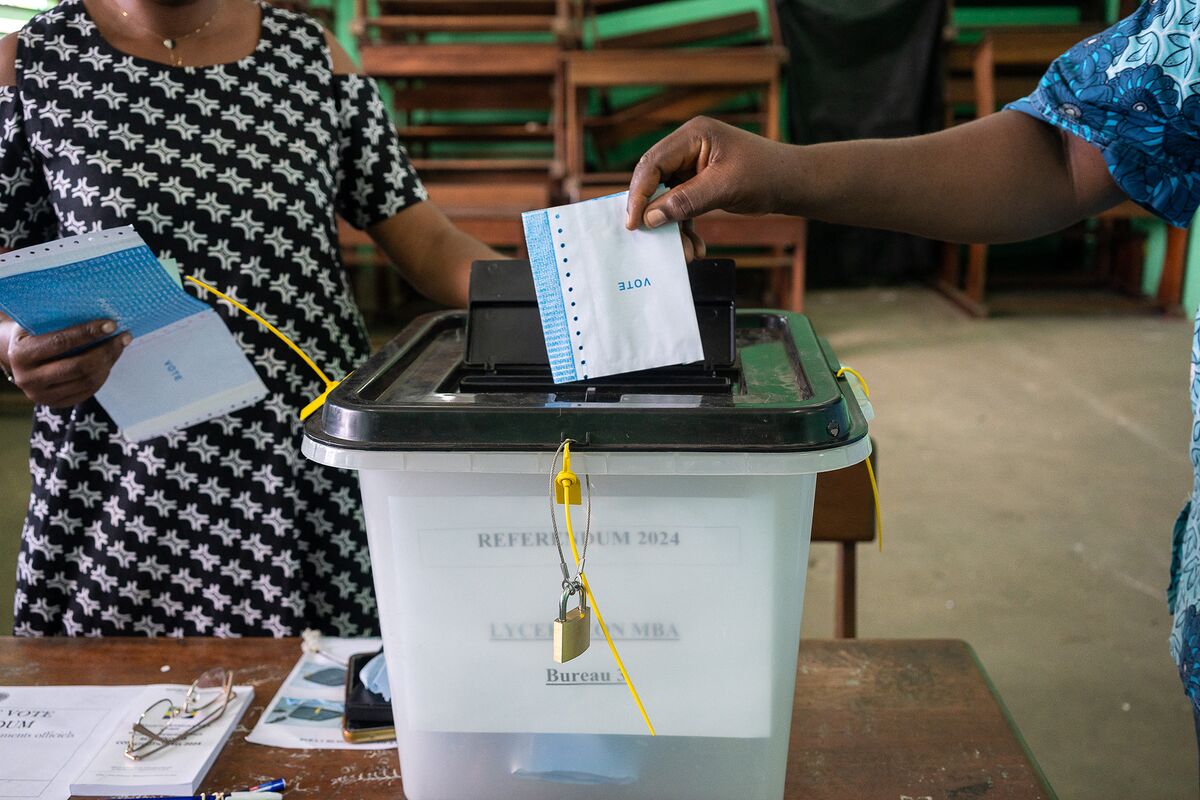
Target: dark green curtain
(857, 70)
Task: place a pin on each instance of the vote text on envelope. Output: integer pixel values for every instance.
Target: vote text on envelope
(611, 300)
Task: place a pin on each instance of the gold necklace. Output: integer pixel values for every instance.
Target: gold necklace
(172, 43)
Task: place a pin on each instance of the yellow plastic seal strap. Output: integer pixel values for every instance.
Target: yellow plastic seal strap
(870, 470)
(569, 477)
(861, 380)
(330, 385)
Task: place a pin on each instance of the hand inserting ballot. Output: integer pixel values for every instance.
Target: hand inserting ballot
(709, 165)
(64, 367)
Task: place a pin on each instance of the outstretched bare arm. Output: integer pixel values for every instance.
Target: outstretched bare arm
(1002, 178)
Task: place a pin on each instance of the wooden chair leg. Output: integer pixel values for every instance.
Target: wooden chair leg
(1128, 261)
(970, 299)
(799, 267)
(976, 272)
(1170, 285)
(573, 147)
(948, 275)
(779, 282)
(558, 127)
(772, 105)
(983, 77)
(845, 620)
(1105, 268)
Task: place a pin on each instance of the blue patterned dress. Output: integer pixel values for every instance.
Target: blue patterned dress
(1134, 92)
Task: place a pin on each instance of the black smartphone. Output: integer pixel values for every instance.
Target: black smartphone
(367, 716)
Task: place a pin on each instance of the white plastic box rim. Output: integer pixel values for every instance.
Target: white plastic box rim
(593, 462)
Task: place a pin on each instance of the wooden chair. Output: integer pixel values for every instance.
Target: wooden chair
(719, 72)
(678, 103)
(406, 20)
(1002, 67)
(844, 513)
(773, 242)
(737, 25)
(432, 84)
(784, 240)
(489, 212)
(742, 26)
(692, 82)
(1169, 295)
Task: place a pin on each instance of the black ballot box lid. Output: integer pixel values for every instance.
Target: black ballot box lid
(480, 381)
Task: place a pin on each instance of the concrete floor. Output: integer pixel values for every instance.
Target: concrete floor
(1031, 468)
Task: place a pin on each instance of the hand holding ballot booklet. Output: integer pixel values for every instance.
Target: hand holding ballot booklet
(182, 367)
(611, 300)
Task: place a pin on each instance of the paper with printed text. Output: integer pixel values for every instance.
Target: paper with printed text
(611, 300)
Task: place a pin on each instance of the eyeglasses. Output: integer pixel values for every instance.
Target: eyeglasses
(164, 723)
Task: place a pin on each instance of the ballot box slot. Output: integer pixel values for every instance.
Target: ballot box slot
(506, 352)
(685, 380)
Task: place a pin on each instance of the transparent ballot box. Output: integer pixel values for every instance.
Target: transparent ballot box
(702, 480)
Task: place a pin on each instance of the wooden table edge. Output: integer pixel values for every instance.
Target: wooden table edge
(165, 648)
(1008, 717)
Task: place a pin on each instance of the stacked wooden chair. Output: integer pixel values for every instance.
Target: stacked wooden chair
(629, 89)
(995, 66)
(511, 105)
(474, 88)
(742, 25)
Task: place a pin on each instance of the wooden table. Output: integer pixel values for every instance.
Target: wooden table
(874, 720)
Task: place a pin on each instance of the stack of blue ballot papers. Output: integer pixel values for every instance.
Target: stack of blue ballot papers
(183, 365)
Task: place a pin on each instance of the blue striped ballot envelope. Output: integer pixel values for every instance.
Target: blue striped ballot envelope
(182, 367)
(611, 300)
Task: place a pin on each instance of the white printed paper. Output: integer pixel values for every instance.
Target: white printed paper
(181, 374)
(177, 769)
(611, 300)
(48, 734)
(306, 712)
(689, 592)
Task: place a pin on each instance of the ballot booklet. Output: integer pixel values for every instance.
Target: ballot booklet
(183, 365)
(611, 300)
(49, 733)
(177, 769)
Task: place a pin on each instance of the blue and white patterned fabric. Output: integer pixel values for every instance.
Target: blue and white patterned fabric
(1134, 92)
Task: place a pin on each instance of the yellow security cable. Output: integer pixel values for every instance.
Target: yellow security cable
(862, 381)
(330, 385)
(870, 471)
(878, 513)
(572, 478)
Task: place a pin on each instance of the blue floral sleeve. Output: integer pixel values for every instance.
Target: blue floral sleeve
(1134, 92)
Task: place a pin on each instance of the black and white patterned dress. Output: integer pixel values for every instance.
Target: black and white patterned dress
(237, 172)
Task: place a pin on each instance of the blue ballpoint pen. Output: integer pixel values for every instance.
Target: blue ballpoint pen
(222, 796)
(276, 785)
